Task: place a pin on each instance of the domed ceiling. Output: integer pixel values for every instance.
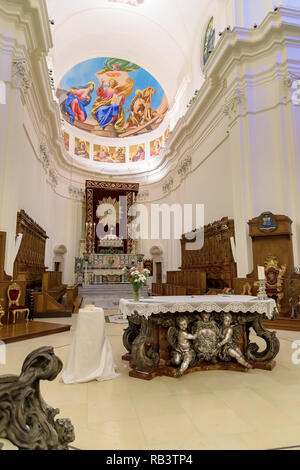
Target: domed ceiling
(121, 68)
(112, 97)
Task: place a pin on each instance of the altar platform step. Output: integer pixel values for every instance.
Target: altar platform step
(107, 296)
(283, 323)
(13, 333)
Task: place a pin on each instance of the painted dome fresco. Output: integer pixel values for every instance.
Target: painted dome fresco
(111, 97)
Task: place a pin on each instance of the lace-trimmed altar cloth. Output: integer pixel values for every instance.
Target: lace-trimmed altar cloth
(198, 303)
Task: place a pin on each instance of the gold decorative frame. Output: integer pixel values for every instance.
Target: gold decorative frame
(272, 262)
(2, 313)
(246, 288)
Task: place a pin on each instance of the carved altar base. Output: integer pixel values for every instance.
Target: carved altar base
(197, 335)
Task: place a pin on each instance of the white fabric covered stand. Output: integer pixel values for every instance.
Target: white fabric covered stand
(90, 354)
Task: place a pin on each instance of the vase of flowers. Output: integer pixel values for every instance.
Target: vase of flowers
(137, 276)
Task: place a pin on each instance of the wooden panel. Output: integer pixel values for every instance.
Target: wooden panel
(215, 258)
(32, 329)
(30, 261)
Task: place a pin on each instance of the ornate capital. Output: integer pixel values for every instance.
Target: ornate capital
(142, 196)
(53, 178)
(185, 167)
(233, 104)
(20, 75)
(44, 156)
(168, 186)
(76, 193)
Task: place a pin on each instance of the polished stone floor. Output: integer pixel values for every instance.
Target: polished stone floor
(205, 410)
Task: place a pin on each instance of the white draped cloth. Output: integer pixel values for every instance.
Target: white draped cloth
(90, 354)
(198, 303)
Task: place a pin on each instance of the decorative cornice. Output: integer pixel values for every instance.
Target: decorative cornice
(192, 101)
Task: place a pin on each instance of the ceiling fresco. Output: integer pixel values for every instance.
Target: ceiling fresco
(111, 97)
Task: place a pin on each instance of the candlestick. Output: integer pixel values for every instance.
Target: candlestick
(262, 295)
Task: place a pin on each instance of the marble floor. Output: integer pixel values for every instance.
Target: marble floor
(204, 410)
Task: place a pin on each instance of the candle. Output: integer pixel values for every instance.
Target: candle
(261, 273)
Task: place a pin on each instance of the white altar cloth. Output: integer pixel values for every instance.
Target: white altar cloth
(90, 354)
(198, 303)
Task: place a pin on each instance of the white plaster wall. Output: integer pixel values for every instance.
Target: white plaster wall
(209, 184)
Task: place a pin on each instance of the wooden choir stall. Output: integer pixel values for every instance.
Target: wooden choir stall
(211, 268)
(33, 291)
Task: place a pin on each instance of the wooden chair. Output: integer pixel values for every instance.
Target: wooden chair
(14, 294)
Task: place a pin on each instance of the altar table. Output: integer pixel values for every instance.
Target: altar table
(177, 335)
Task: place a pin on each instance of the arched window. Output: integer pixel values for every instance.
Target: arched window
(209, 41)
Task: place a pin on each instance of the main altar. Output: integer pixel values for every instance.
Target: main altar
(98, 269)
(177, 335)
(108, 245)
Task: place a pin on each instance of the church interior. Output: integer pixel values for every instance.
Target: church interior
(149, 225)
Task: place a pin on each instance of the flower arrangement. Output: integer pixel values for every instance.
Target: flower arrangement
(137, 276)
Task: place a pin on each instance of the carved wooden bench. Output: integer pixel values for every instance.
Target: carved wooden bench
(26, 420)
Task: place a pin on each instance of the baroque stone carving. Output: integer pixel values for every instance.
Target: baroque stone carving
(131, 333)
(142, 196)
(25, 419)
(168, 186)
(53, 177)
(76, 193)
(272, 342)
(21, 77)
(143, 355)
(185, 167)
(213, 338)
(233, 104)
(44, 156)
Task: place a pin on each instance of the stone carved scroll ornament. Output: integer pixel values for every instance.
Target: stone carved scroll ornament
(143, 355)
(272, 342)
(130, 333)
(25, 419)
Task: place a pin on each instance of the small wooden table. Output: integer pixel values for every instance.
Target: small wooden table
(177, 335)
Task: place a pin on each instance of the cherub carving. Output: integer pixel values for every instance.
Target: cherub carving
(182, 354)
(207, 336)
(228, 349)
